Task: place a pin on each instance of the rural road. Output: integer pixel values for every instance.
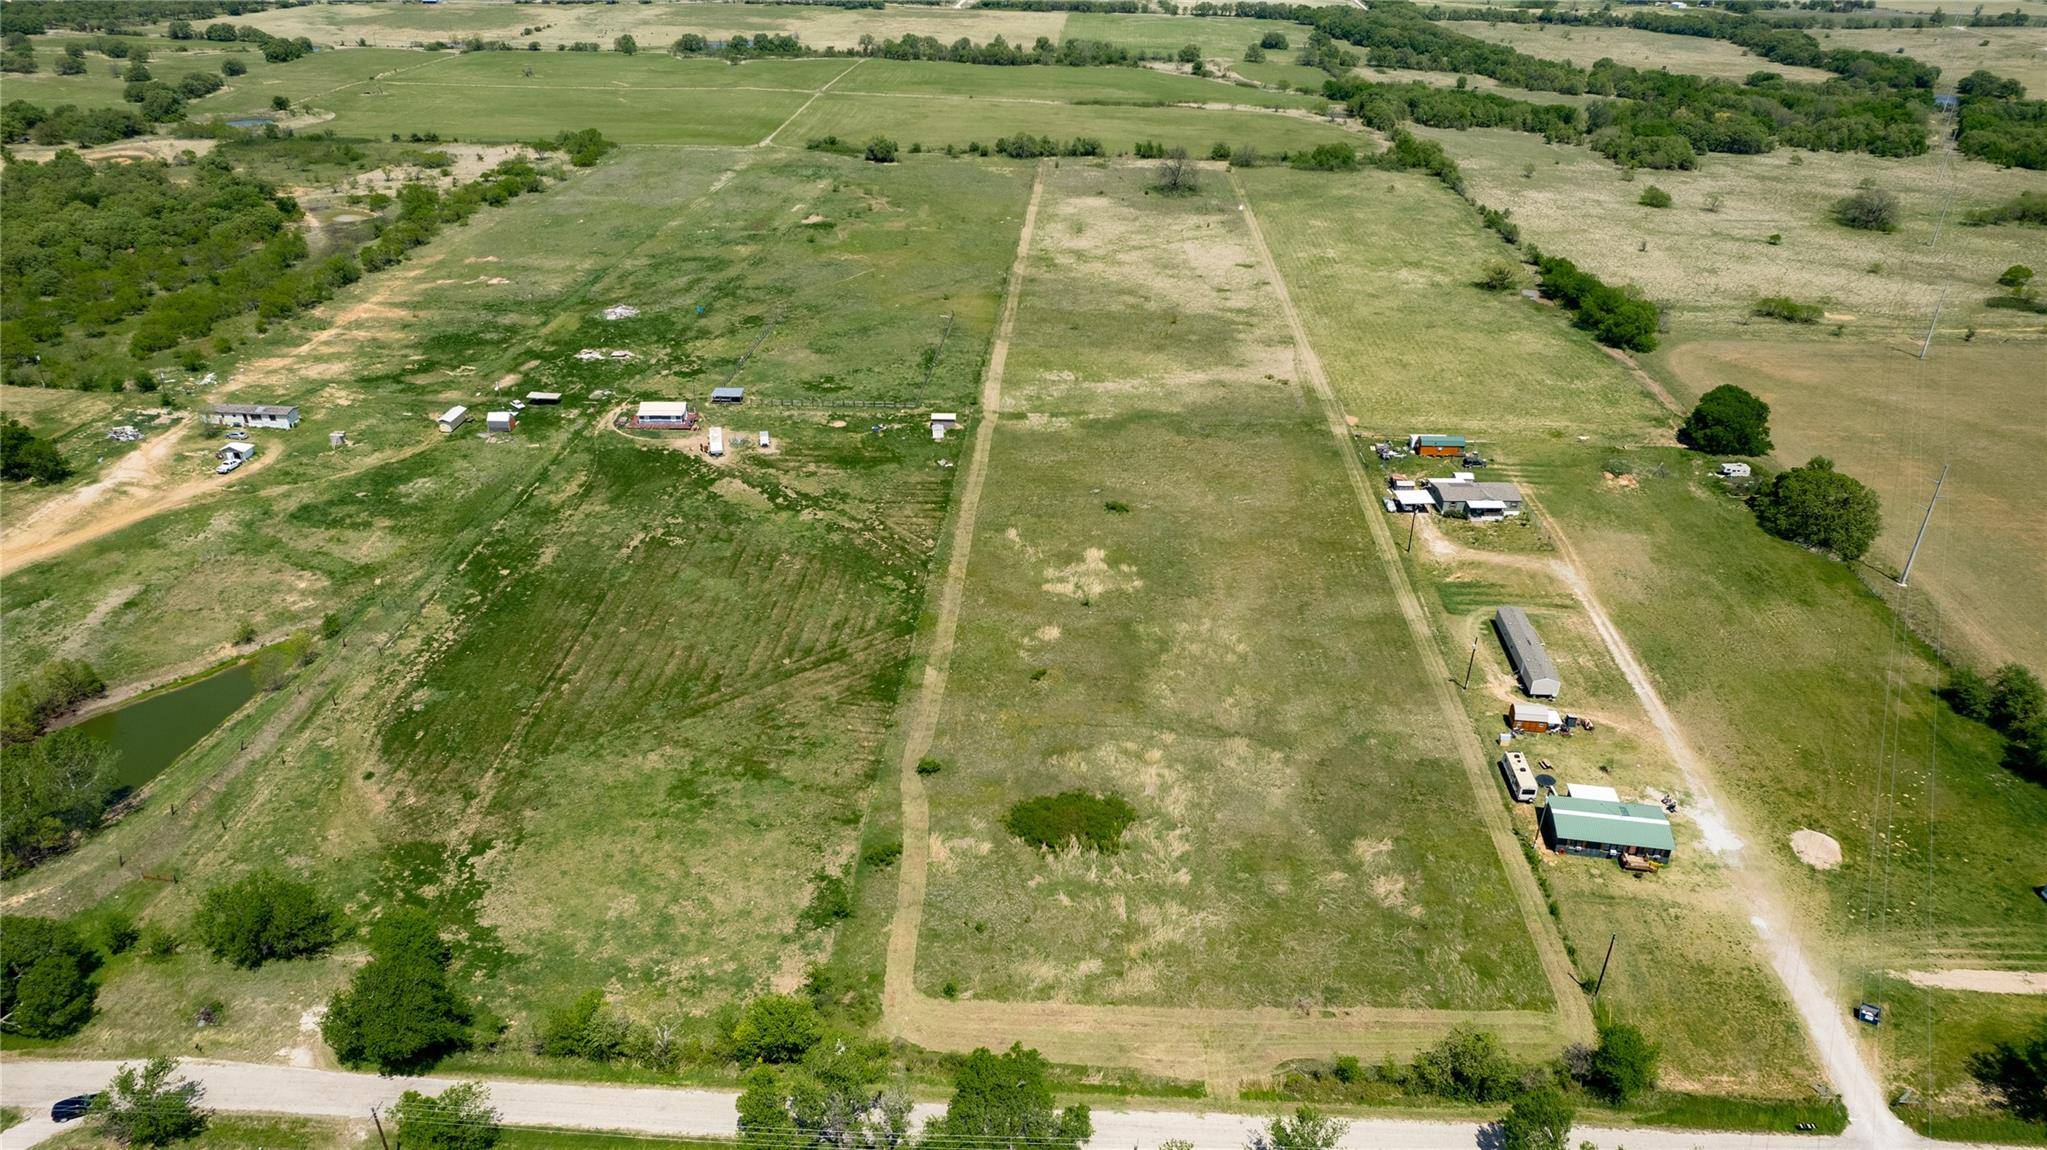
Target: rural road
(666, 1111)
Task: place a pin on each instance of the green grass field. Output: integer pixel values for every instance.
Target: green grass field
(1249, 699)
(2019, 53)
(1057, 85)
(1584, 46)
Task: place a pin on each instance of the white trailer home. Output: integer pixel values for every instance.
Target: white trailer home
(251, 415)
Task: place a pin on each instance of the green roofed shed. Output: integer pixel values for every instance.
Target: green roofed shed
(1599, 827)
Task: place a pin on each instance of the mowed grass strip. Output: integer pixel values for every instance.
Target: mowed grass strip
(1058, 85)
(936, 123)
(1171, 598)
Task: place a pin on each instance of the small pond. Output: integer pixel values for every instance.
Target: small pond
(248, 122)
(153, 731)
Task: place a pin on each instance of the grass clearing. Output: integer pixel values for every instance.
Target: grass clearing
(936, 123)
(1585, 46)
(1892, 420)
(978, 82)
(1218, 37)
(1708, 258)
(1267, 750)
(2017, 53)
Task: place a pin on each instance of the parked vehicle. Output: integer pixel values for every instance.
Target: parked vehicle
(76, 1106)
(1870, 1013)
(238, 433)
(1473, 459)
(230, 465)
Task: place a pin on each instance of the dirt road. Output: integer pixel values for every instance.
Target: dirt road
(672, 1112)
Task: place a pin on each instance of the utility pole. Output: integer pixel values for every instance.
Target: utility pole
(1610, 940)
(1931, 327)
(1411, 517)
(1469, 664)
(380, 1128)
(1905, 576)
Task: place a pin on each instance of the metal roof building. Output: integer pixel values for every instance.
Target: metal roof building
(1599, 827)
(728, 395)
(251, 415)
(1525, 651)
(1436, 444)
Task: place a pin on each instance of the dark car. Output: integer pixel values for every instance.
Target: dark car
(76, 1106)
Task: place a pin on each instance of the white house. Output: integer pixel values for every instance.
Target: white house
(252, 415)
(662, 413)
(1472, 500)
(452, 418)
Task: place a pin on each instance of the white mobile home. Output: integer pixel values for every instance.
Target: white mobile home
(252, 415)
(452, 418)
(662, 413)
(1525, 651)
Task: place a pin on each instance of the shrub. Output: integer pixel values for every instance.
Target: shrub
(776, 1028)
(2016, 277)
(583, 1027)
(830, 900)
(1787, 309)
(1868, 208)
(1624, 1064)
(1500, 275)
(1219, 151)
(929, 766)
(46, 988)
(1094, 821)
(1539, 1120)
(233, 67)
(1968, 693)
(1005, 1100)
(26, 455)
(1816, 506)
(1273, 42)
(881, 854)
(264, 916)
(1306, 1129)
(2016, 1072)
(1727, 420)
(1467, 1066)
(148, 1107)
(880, 150)
(1330, 157)
(1244, 156)
(119, 932)
(458, 1118)
(1653, 197)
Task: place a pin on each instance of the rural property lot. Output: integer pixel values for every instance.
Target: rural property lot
(1128, 629)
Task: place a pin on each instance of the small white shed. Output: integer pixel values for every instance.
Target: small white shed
(500, 420)
(237, 451)
(452, 418)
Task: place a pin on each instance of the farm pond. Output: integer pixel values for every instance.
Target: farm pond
(154, 730)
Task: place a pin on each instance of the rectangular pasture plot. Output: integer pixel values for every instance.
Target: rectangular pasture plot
(1066, 85)
(1583, 46)
(1171, 597)
(516, 109)
(1218, 37)
(1814, 711)
(855, 117)
(1891, 420)
(1381, 266)
(1708, 257)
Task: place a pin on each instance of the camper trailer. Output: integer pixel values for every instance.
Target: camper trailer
(714, 444)
(1519, 779)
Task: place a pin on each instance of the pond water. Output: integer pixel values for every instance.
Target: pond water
(248, 122)
(152, 732)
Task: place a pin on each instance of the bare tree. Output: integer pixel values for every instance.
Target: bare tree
(1177, 174)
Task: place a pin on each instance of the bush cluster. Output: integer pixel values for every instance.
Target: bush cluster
(2012, 703)
(263, 917)
(1816, 506)
(1094, 821)
(1617, 317)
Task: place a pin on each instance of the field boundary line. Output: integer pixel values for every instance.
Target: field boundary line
(826, 87)
(1543, 933)
(899, 987)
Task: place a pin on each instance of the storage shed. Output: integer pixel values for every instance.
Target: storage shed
(241, 451)
(1436, 445)
(662, 413)
(251, 415)
(945, 419)
(500, 420)
(1533, 717)
(543, 397)
(728, 395)
(1605, 829)
(1525, 651)
(452, 418)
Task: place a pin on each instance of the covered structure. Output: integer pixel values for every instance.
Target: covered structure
(1534, 717)
(663, 413)
(728, 395)
(500, 420)
(252, 415)
(1525, 651)
(1571, 825)
(452, 418)
(1473, 500)
(1436, 445)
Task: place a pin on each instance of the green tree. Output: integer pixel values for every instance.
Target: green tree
(1189, 53)
(398, 1013)
(26, 455)
(233, 67)
(776, 1028)
(881, 150)
(827, 1101)
(264, 916)
(1624, 1065)
(458, 1118)
(625, 45)
(583, 1027)
(56, 786)
(151, 1107)
(2016, 277)
(1653, 197)
(1306, 1129)
(46, 988)
(1002, 1102)
(1968, 693)
(1816, 506)
(1254, 55)
(1539, 1119)
(2017, 701)
(179, 30)
(1467, 1065)
(2017, 1073)
(1727, 420)
(1273, 42)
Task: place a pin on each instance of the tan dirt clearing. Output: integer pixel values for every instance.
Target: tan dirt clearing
(1816, 850)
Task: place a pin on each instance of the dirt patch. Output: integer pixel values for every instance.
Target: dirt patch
(1816, 850)
(1982, 981)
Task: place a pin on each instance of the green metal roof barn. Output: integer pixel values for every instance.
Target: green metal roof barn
(1596, 826)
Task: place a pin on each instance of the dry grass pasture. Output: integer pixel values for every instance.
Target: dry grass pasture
(1584, 46)
(1136, 622)
(1708, 257)
(2019, 53)
(1892, 420)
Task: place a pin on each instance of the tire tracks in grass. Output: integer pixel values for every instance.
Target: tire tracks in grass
(1576, 1015)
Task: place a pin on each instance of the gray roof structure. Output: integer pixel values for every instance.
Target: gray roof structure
(270, 410)
(1532, 664)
